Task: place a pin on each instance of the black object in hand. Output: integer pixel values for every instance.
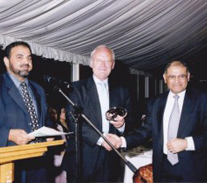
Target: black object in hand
(112, 113)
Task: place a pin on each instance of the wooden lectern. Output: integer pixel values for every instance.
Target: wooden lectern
(9, 154)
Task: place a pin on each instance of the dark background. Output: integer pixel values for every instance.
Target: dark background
(120, 75)
(63, 70)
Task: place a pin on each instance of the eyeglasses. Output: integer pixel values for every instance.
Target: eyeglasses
(180, 77)
(98, 61)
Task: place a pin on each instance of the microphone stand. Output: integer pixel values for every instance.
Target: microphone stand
(129, 164)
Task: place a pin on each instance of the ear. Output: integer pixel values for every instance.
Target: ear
(188, 76)
(6, 61)
(113, 65)
(165, 78)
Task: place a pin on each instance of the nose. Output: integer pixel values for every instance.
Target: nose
(26, 60)
(177, 79)
(103, 63)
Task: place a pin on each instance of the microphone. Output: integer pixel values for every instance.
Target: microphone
(56, 81)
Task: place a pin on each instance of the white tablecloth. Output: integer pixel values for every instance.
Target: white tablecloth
(139, 160)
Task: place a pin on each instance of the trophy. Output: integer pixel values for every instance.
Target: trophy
(112, 113)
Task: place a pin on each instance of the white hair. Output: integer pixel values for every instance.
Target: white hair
(103, 46)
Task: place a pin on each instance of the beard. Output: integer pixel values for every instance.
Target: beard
(22, 73)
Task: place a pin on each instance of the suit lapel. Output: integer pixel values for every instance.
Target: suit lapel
(186, 110)
(160, 112)
(94, 101)
(14, 93)
(37, 99)
(113, 97)
(16, 96)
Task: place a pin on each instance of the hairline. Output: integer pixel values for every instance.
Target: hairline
(176, 63)
(8, 48)
(103, 46)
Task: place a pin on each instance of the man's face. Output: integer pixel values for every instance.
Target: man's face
(176, 78)
(20, 62)
(102, 63)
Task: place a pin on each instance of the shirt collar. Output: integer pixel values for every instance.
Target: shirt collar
(181, 94)
(16, 81)
(100, 81)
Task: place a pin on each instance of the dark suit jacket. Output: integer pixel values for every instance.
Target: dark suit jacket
(14, 114)
(193, 123)
(85, 95)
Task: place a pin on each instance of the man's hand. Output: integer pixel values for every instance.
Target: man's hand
(19, 137)
(118, 122)
(177, 145)
(115, 141)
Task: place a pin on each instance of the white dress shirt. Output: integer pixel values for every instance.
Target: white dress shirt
(166, 117)
(105, 123)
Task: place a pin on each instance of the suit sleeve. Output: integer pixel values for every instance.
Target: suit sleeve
(4, 129)
(200, 134)
(143, 133)
(131, 119)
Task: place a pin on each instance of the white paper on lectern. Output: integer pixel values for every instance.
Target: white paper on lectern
(45, 131)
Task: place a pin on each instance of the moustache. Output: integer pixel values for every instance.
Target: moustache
(25, 65)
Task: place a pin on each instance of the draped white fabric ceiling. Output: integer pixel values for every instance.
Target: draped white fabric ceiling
(143, 33)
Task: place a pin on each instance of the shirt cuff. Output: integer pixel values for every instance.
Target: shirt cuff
(123, 140)
(191, 145)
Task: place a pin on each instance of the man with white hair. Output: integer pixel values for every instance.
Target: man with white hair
(97, 164)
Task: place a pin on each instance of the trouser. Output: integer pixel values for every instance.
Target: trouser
(171, 173)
